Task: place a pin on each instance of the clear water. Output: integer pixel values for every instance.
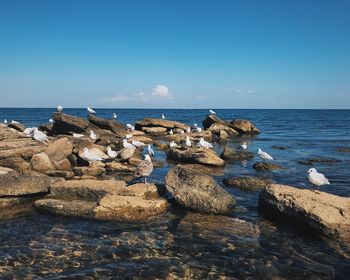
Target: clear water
(39, 245)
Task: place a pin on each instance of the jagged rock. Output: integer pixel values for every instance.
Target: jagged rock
(151, 122)
(120, 167)
(59, 149)
(60, 173)
(155, 131)
(17, 125)
(217, 127)
(261, 166)
(41, 162)
(65, 123)
(178, 130)
(198, 191)
(244, 126)
(88, 170)
(247, 183)
(315, 212)
(126, 153)
(111, 125)
(195, 155)
(213, 119)
(232, 154)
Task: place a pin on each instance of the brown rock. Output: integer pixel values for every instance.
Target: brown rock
(213, 119)
(120, 167)
(232, 154)
(62, 165)
(66, 124)
(261, 166)
(160, 146)
(244, 126)
(88, 170)
(223, 136)
(126, 153)
(217, 127)
(41, 162)
(17, 125)
(150, 122)
(9, 133)
(247, 183)
(316, 212)
(194, 136)
(112, 125)
(155, 131)
(60, 173)
(59, 149)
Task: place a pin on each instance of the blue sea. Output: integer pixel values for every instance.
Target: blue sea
(40, 246)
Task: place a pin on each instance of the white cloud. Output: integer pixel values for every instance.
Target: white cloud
(161, 90)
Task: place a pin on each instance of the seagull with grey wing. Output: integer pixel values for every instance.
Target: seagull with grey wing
(144, 168)
(317, 179)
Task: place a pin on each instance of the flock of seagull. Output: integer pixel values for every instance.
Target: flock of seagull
(145, 166)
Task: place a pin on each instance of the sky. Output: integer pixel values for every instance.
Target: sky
(175, 54)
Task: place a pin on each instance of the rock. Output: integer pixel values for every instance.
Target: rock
(17, 125)
(315, 212)
(16, 184)
(217, 127)
(343, 149)
(59, 149)
(261, 166)
(279, 147)
(65, 124)
(4, 170)
(160, 146)
(178, 130)
(195, 155)
(120, 167)
(232, 154)
(143, 138)
(41, 162)
(209, 226)
(63, 165)
(305, 162)
(60, 173)
(323, 160)
(151, 122)
(155, 131)
(88, 170)
(95, 150)
(194, 136)
(15, 162)
(247, 183)
(198, 191)
(112, 125)
(9, 133)
(244, 126)
(129, 208)
(223, 136)
(23, 152)
(126, 153)
(213, 119)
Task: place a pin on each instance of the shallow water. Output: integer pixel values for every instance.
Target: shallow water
(39, 245)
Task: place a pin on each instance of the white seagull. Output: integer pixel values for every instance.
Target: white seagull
(317, 179)
(188, 141)
(264, 155)
(205, 144)
(137, 143)
(39, 135)
(77, 135)
(114, 116)
(150, 150)
(144, 168)
(51, 121)
(197, 128)
(126, 144)
(212, 112)
(171, 132)
(111, 153)
(130, 127)
(90, 110)
(244, 146)
(29, 131)
(90, 157)
(188, 130)
(172, 144)
(5, 121)
(163, 117)
(59, 108)
(93, 136)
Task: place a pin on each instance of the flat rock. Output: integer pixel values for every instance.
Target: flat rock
(152, 122)
(195, 155)
(198, 191)
(61, 173)
(9, 133)
(266, 166)
(194, 136)
(232, 154)
(120, 167)
(247, 183)
(126, 153)
(316, 212)
(88, 170)
(155, 131)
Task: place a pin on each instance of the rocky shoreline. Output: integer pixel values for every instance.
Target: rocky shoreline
(54, 175)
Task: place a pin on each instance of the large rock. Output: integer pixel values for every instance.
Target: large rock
(315, 212)
(232, 154)
(217, 127)
(17, 125)
(213, 119)
(111, 125)
(59, 149)
(244, 126)
(198, 191)
(9, 133)
(65, 123)
(151, 122)
(155, 131)
(41, 162)
(247, 183)
(195, 155)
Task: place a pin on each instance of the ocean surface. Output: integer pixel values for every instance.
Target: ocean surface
(40, 246)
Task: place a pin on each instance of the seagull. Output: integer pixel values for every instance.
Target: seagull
(126, 144)
(111, 153)
(188, 141)
(90, 110)
(163, 117)
(150, 150)
(137, 143)
(90, 157)
(51, 121)
(205, 144)
(188, 130)
(14, 122)
(93, 136)
(114, 116)
(144, 168)
(59, 108)
(39, 135)
(77, 135)
(212, 112)
(264, 155)
(29, 131)
(172, 144)
(128, 136)
(171, 132)
(130, 127)
(197, 128)
(5, 121)
(244, 146)
(317, 179)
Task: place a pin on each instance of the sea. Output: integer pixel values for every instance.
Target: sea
(43, 246)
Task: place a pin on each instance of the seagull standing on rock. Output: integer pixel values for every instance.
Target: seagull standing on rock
(90, 110)
(39, 135)
(93, 136)
(264, 155)
(172, 144)
(204, 143)
(138, 143)
(77, 135)
(163, 117)
(188, 142)
(317, 179)
(126, 144)
(150, 150)
(171, 132)
(51, 121)
(130, 127)
(114, 116)
(59, 108)
(197, 128)
(212, 112)
(188, 130)
(90, 157)
(111, 153)
(144, 168)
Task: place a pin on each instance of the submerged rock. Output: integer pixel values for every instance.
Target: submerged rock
(311, 161)
(316, 212)
(232, 154)
(198, 191)
(247, 183)
(263, 166)
(343, 149)
(195, 155)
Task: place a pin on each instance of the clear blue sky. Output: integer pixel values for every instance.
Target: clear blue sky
(175, 54)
